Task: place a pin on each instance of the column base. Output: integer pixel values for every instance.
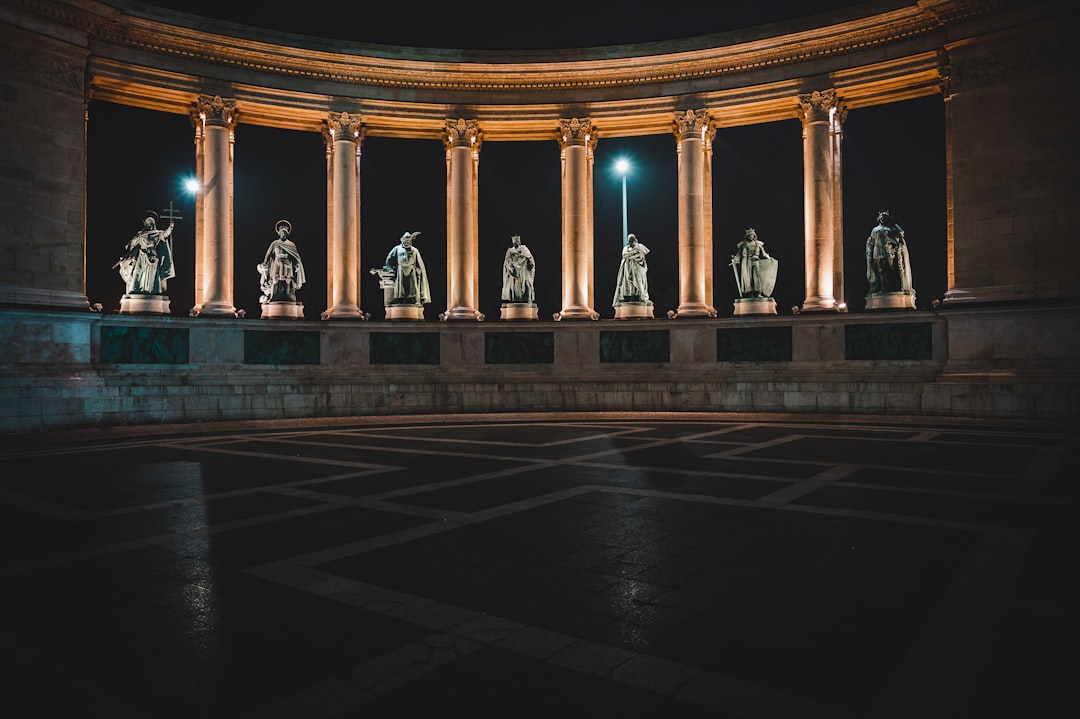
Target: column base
(755, 306)
(462, 313)
(518, 311)
(283, 311)
(819, 304)
(344, 312)
(634, 311)
(576, 312)
(214, 309)
(891, 301)
(693, 309)
(410, 313)
(144, 305)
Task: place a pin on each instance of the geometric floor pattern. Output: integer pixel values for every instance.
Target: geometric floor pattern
(624, 565)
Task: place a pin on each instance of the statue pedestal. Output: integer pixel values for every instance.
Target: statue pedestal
(144, 305)
(891, 301)
(634, 311)
(283, 311)
(755, 306)
(518, 311)
(404, 312)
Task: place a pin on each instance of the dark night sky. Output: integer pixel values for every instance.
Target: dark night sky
(893, 158)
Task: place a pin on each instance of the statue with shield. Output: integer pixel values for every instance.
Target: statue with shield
(755, 276)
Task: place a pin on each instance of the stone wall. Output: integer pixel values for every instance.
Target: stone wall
(68, 370)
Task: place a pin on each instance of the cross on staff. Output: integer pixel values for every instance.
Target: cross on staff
(170, 214)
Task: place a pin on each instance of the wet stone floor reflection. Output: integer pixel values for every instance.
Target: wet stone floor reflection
(630, 565)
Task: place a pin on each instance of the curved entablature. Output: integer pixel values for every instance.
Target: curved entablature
(744, 78)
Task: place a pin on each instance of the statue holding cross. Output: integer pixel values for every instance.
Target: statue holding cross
(146, 263)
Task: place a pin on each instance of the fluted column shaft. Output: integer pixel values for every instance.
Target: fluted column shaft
(345, 202)
(836, 134)
(218, 118)
(462, 138)
(818, 209)
(690, 128)
(710, 297)
(575, 138)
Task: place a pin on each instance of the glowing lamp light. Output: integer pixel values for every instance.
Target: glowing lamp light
(622, 166)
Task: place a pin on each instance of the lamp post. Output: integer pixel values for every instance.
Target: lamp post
(622, 166)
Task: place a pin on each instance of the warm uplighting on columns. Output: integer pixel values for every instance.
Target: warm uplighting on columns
(837, 116)
(462, 139)
(690, 128)
(214, 254)
(818, 205)
(344, 131)
(575, 139)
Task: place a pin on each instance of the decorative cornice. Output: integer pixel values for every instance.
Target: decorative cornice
(179, 44)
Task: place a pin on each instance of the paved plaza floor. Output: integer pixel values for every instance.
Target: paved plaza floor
(604, 565)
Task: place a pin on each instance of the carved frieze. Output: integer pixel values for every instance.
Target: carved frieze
(600, 73)
(972, 67)
(40, 68)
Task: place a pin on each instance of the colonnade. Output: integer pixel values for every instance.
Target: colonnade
(822, 114)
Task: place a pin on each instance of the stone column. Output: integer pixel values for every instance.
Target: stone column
(836, 133)
(462, 139)
(817, 109)
(215, 255)
(575, 140)
(690, 128)
(344, 250)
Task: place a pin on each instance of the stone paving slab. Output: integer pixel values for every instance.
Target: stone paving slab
(628, 565)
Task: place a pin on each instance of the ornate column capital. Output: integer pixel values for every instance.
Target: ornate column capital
(462, 133)
(692, 123)
(819, 105)
(575, 131)
(342, 125)
(216, 111)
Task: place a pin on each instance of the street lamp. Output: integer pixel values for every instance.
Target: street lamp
(622, 166)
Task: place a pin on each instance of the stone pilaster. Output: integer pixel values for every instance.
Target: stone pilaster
(462, 139)
(218, 119)
(575, 141)
(1011, 151)
(836, 133)
(690, 128)
(43, 165)
(817, 109)
(707, 195)
(344, 204)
